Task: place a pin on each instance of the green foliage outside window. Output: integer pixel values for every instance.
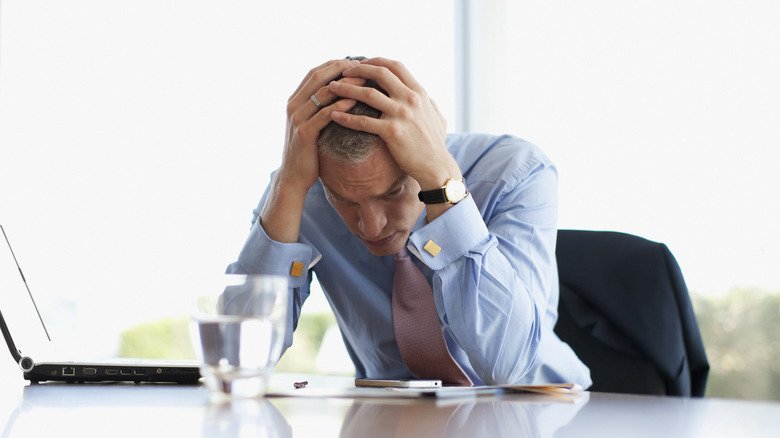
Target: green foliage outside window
(741, 334)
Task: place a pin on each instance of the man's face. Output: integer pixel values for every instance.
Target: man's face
(375, 199)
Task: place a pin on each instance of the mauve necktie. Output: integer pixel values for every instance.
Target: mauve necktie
(417, 328)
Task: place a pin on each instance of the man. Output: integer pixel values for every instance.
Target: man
(347, 197)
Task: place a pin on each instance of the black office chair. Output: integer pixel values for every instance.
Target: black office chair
(625, 310)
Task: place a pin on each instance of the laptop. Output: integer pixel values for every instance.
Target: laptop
(120, 370)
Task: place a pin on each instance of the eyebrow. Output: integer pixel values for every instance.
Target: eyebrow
(393, 187)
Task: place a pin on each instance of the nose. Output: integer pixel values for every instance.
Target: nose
(371, 220)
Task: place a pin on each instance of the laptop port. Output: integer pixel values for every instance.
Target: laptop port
(90, 371)
(126, 372)
(111, 371)
(68, 371)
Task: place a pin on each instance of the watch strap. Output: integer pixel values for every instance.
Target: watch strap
(437, 196)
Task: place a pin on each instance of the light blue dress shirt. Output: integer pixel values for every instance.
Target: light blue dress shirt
(495, 280)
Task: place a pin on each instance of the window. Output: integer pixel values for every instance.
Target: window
(661, 117)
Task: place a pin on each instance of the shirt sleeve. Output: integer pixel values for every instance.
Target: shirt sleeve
(261, 255)
(494, 271)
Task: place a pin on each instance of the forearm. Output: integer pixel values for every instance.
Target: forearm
(492, 315)
(281, 213)
(493, 278)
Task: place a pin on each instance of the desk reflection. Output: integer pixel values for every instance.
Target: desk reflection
(170, 410)
(526, 416)
(142, 410)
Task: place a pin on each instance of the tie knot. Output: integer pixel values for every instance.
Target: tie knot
(402, 254)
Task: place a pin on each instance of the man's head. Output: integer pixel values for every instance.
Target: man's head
(376, 200)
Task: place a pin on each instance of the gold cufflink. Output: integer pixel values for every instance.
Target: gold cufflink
(297, 269)
(432, 248)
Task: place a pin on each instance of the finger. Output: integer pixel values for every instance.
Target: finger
(377, 69)
(324, 116)
(352, 81)
(303, 104)
(382, 76)
(316, 101)
(358, 123)
(368, 95)
(318, 77)
(324, 96)
(398, 68)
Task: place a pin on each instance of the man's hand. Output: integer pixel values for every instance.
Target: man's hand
(281, 215)
(305, 120)
(411, 125)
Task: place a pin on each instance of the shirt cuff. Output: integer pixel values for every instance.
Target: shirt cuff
(262, 255)
(458, 231)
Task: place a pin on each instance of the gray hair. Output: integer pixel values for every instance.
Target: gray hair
(348, 145)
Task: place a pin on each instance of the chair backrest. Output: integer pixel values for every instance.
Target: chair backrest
(625, 310)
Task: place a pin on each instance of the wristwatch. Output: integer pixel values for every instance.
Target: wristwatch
(452, 192)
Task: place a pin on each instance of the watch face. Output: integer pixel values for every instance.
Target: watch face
(455, 190)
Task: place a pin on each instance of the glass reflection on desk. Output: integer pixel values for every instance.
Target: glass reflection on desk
(245, 418)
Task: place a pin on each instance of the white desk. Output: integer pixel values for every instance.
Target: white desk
(149, 410)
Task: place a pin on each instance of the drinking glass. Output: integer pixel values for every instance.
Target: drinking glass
(238, 333)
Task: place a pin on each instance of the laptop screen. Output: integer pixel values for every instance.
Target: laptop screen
(19, 309)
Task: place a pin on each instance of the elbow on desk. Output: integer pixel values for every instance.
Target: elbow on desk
(510, 365)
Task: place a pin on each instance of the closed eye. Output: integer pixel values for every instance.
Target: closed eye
(395, 193)
(339, 200)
